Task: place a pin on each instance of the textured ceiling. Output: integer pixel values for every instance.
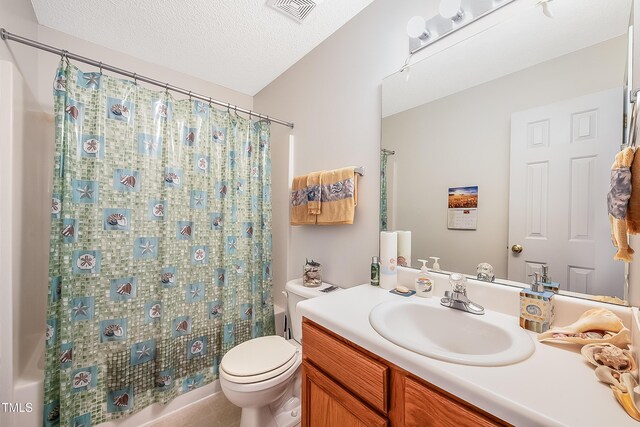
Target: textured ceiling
(241, 44)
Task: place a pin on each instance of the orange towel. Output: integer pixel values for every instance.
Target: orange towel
(299, 213)
(633, 208)
(314, 187)
(339, 196)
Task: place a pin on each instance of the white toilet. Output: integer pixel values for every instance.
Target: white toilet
(263, 375)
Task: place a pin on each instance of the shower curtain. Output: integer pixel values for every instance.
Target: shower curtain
(160, 254)
(383, 191)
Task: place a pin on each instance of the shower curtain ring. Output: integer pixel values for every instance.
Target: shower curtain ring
(65, 56)
(135, 78)
(100, 67)
(228, 108)
(250, 115)
(209, 102)
(189, 95)
(166, 88)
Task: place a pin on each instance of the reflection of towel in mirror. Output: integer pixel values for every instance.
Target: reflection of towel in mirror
(299, 213)
(617, 200)
(314, 183)
(633, 210)
(339, 196)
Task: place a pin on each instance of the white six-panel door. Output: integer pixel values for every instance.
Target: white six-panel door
(561, 156)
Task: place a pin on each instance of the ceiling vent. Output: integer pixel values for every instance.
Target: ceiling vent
(295, 9)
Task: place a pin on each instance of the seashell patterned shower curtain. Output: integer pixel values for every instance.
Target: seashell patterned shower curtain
(160, 257)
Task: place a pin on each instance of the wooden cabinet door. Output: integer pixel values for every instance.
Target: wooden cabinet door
(424, 407)
(327, 404)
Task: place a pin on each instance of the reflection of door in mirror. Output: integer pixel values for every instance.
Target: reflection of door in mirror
(561, 155)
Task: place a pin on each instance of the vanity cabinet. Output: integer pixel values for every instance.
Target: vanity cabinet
(345, 385)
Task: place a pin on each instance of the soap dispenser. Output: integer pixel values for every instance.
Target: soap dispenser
(424, 281)
(436, 265)
(536, 306)
(546, 281)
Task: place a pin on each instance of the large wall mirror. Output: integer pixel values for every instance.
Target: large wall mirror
(531, 112)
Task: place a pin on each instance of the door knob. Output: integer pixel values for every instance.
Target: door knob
(516, 249)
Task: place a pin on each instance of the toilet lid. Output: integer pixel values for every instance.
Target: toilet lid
(258, 356)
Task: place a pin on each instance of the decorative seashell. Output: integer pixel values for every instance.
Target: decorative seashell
(223, 190)
(49, 332)
(221, 277)
(610, 376)
(122, 400)
(60, 83)
(203, 164)
(216, 310)
(86, 262)
(199, 255)
(81, 379)
(68, 230)
(162, 110)
(120, 110)
(627, 398)
(162, 381)
(158, 210)
(167, 277)
(54, 414)
(218, 136)
(155, 311)
(182, 326)
(91, 146)
(124, 289)
(113, 331)
(609, 355)
(191, 136)
(197, 347)
(249, 231)
(249, 149)
(128, 181)
(66, 356)
(186, 230)
(55, 205)
(248, 311)
(117, 219)
(73, 111)
(172, 178)
(217, 222)
(595, 326)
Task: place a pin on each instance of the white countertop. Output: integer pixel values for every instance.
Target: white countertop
(554, 387)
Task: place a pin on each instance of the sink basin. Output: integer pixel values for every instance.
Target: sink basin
(427, 328)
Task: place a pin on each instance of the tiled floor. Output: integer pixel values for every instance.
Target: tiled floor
(215, 411)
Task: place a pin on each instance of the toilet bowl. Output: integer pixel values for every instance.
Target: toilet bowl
(263, 376)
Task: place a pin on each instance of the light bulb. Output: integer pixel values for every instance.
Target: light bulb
(451, 9)
(416, 28)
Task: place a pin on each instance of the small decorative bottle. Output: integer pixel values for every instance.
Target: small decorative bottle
(375, 271)
(536, 306)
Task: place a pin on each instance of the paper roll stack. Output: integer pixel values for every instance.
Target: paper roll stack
(404, 248)
(388, 263)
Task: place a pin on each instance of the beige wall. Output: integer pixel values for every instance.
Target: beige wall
(333, 96)
(464, 139)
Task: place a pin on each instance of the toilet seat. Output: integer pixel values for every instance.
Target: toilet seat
(259, 359)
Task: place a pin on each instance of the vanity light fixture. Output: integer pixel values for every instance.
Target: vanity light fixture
(453, 15)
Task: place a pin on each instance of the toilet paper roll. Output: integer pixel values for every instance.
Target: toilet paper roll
(404, 248)
(388, 263)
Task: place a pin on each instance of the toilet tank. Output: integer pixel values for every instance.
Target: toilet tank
(297, 292)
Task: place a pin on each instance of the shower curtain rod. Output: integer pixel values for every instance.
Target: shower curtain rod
(5, 35)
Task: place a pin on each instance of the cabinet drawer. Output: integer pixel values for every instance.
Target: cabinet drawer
(359, 373)
(424, 406)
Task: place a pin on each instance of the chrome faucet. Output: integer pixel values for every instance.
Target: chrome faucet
(458, 297)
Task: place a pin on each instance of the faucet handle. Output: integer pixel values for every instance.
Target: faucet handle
(458, 282)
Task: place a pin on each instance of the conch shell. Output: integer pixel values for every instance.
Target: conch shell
(610, 356)
(595, 326)
(627, 399)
